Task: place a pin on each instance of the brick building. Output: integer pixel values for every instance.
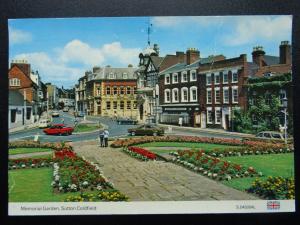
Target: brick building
(19, 79)
(222, 88)
(112, 92)
(179, 88)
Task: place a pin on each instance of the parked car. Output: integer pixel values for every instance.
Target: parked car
(59, 129)
(43, 123)
(55, 114)
(66, 109)
(270, 135)
(146, 129)
(126, 121)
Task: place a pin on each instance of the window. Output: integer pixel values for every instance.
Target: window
(193, 94)
(115, 105)
(125, 76)
(218, 115)
(134, 90)
(175, 78)
(225, 95)
(14, 82)
(208, 79)
(234, 76)
(282, 95)
(111, 76)
(208, 96)
(98, 91)
(108, 90)
(128, 105)
(128, 90)
(268, 98)
(184, 77)
(209, 116)
(13, 114)
(217, 95)
(193, 75)
(167, 79)
(175, 95)
(122, 90)
(167, 95)
(28, 113)
(115, 90)
(107, 105)
(134, 105)
(225, 77)
(235, 94)
(121, 104)
(217, 78)
(184, 94)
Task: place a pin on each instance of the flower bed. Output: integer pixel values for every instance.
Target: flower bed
(101, 196)
(140, 153)
(274, 188)
(248, 147)
(211, 166)
(72, 173)
(134, 141)
(35, 144)
(29, 163)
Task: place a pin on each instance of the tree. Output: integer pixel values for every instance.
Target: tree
(263, 114)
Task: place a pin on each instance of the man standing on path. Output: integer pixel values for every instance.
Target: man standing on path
(101, 136)
(106, 134)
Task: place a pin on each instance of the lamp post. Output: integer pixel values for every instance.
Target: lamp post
(284, 105)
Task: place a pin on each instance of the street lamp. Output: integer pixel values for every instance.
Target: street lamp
(284, 105)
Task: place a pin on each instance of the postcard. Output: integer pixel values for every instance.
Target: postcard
(150, 115)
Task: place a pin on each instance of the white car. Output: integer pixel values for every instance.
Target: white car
(44, 123)
(55, 114)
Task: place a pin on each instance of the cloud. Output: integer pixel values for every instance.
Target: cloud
(257, 28)
(51, 70)
(67, 64)
(77, 51)
(18, 36)
(80, 52)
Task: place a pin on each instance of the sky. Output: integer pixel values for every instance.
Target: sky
(62, 49)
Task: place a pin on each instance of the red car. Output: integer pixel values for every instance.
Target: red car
(59, 129)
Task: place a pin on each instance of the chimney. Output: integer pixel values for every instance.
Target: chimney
(23, 65)
(258, 55)
(285, 53)
(192, 55)
(180, 57)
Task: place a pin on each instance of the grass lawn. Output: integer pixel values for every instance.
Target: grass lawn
(269, 165)
(86, 127)
(204, 146)
(15, 151)
(33, 185)
(44, 156)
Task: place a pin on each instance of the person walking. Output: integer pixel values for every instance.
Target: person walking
(62, 120)
(101, 137)
(106, 134)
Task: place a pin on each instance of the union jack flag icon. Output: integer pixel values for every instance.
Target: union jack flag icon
(273, 205)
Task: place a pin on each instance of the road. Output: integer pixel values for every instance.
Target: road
(115, 130)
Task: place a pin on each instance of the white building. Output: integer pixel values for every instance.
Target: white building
(20, 112)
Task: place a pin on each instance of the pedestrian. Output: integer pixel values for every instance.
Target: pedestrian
(62, 120)
(101, 137)
(106, 134)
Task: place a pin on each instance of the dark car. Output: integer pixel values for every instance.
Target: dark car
(59, 129)
(146, 129)
(126, 121)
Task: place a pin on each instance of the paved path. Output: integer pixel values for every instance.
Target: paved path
(154, 180)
